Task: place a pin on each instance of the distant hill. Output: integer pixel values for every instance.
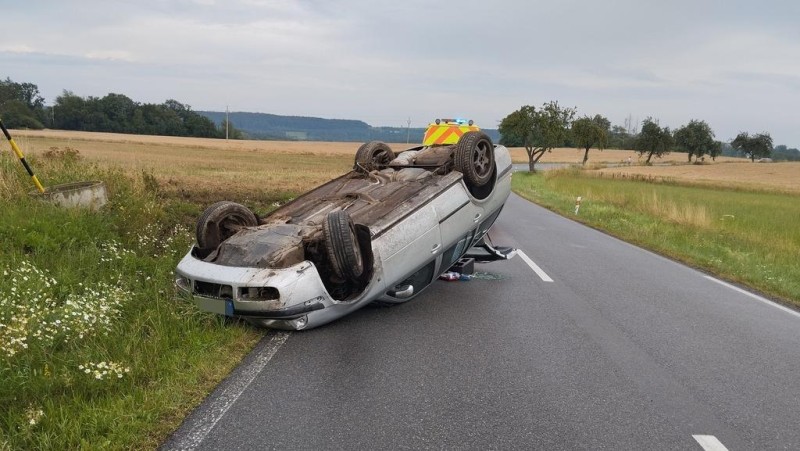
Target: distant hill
(300, 128)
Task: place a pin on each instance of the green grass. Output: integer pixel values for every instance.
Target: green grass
(83, 293)
(751, 238)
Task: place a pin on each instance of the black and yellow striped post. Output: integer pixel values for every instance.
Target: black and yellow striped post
(21, 157)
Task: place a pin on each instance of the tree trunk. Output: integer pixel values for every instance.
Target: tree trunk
(531, 162)
(585, 156)
(533, 158)
(649, 156)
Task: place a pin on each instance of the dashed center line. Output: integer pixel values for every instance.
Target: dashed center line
(710, 443)
(543, 275)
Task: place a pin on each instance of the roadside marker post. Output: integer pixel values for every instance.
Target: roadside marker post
(21, 157)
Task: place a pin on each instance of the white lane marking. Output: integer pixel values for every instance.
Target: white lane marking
(543, 275)
(755, 296)
(220, 405)
(710, 443)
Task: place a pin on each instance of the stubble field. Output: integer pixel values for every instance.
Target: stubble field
(203, 170)
(198, 167)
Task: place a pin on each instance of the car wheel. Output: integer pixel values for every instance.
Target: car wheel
(474, 157)
(220, 221)
(372, 155)
(342, 246)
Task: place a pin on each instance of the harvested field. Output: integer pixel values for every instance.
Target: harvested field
(200, 166)
(781, 177)
(94, 141)
(608, 156)
(725, 172)
(246, 166)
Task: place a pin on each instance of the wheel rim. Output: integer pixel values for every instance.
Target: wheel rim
(481, 160)
(381, 157)
(231, 225)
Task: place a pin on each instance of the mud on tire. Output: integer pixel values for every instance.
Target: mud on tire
(220, 221)
(474, 157)
(372, 155)
(342, 246)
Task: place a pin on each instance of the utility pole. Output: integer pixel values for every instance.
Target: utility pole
(227, 121)
(408, 130)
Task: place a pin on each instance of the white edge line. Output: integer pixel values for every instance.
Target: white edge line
(543, 275)
(710, 443)
(755, 296)
(221, 403)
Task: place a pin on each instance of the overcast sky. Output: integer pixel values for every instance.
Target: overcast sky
(734, 64)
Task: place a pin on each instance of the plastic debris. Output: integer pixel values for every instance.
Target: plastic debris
(453, 276)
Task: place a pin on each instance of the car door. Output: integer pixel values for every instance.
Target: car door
(410, 244)
(458, 216)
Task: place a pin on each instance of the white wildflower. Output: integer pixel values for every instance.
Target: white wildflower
(33, 415)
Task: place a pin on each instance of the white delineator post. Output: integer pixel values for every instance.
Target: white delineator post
(577, 204)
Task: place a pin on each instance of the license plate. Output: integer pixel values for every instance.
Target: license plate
(218, 306)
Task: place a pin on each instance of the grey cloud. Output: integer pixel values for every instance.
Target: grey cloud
(386, 61)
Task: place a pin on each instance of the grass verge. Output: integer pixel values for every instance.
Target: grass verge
(95, 349)
(747, 237)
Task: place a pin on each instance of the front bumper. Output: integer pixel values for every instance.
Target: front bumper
(257, 293)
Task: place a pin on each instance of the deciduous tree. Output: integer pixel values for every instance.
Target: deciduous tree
(119, 109)
(695, 138)
(756, 146)
(653, 140)
(590, 132)
(782, 152)
(618, 137)
(70, 111)
(716, 150)
(539, 131)
(21, 106)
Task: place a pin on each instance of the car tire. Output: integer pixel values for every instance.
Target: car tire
(474, 158)
(342, 246)
(372, 155)
(220, 221)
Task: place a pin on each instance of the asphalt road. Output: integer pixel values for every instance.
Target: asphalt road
(623, 349)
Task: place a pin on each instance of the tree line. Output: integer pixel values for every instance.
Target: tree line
(276, 127)
(539, 130)
(21, 106)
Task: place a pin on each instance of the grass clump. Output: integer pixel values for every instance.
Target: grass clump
(92, 336)
(748, 237)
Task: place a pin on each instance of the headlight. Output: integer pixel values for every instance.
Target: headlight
(259, 294)
(301, 322)
(183, 283)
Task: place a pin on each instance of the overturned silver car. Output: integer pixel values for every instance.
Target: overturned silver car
(380, 233)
